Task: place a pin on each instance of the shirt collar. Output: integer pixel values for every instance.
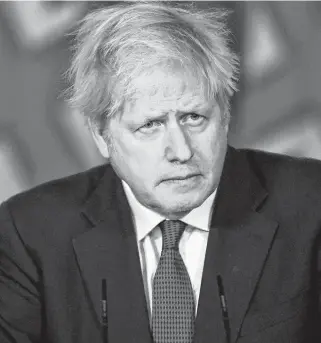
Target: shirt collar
(146, 219)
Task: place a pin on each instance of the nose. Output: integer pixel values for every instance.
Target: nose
(178, 147)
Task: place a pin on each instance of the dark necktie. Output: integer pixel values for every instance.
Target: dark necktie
(173, 309)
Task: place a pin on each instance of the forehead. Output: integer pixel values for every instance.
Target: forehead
(168, 90)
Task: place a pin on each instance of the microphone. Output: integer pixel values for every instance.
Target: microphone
(104, 323)
(224, 309)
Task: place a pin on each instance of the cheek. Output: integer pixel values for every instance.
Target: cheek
(209, 142)
(138, 159)
(210, 149)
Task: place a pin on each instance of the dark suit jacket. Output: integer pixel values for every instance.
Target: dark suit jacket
(59, 240)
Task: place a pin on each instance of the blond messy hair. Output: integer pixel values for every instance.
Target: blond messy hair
(116, 44)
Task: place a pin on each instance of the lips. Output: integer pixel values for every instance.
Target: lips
(179, 177)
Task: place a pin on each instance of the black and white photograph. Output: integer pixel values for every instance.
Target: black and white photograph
(160, 171)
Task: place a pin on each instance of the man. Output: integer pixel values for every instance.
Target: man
(181, 238)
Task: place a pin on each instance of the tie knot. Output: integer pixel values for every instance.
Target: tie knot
(172, 231)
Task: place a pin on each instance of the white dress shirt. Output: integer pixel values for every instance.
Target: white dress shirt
(192, 245)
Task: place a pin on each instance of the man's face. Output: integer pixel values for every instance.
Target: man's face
(169, 144)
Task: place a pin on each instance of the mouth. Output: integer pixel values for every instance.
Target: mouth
(179, 178)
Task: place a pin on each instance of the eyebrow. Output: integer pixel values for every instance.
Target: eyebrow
(147, 118)
(186, 109)
(197, 107)
(161, 115)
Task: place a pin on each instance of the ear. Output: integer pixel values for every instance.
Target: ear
(98, 139)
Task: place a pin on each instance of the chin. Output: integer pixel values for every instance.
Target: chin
(180, 206)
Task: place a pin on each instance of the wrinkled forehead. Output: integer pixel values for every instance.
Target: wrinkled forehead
(164, 88)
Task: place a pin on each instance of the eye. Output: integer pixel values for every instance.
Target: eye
(194, 116)
(193, 119)
(150, 126)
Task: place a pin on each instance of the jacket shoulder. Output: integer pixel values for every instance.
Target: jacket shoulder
(292, 176)
(302, 166)
(49, 215)
(69, 191)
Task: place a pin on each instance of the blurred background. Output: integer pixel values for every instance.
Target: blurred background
(277, 109)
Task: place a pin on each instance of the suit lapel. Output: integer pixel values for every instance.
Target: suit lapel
(108, 250)
(238, 246)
